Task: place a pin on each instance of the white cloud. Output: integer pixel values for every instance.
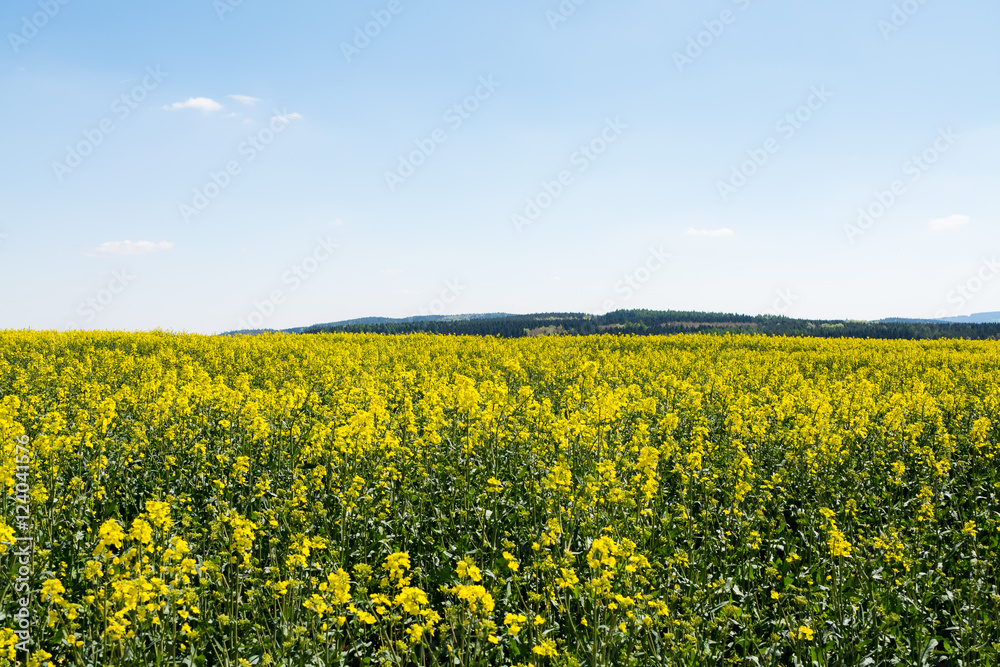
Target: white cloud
(392, 271)
(203, 103)
(288, 117)
(711, 233)
(244, 99)
(951, 222)
(132, 248)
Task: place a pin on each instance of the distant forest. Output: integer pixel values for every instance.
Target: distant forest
(659, 322)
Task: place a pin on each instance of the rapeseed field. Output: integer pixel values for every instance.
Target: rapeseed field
(428, 500)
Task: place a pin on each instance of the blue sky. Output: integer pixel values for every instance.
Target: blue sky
(206, 165)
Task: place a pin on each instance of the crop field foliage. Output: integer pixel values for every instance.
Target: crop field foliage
(432, 500)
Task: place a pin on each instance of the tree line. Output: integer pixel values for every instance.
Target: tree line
(666, 322)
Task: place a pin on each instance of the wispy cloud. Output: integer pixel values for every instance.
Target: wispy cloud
(203, 103)
(392, 271)
(710, 233)
(288, 117)
(132, 247)
(244, 99)
(951, 222)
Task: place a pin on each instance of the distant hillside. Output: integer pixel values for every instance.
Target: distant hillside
(362, 321)
(365, 321)
(976, 318)
(656, 322)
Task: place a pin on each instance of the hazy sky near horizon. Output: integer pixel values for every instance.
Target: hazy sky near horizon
(208, 165)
